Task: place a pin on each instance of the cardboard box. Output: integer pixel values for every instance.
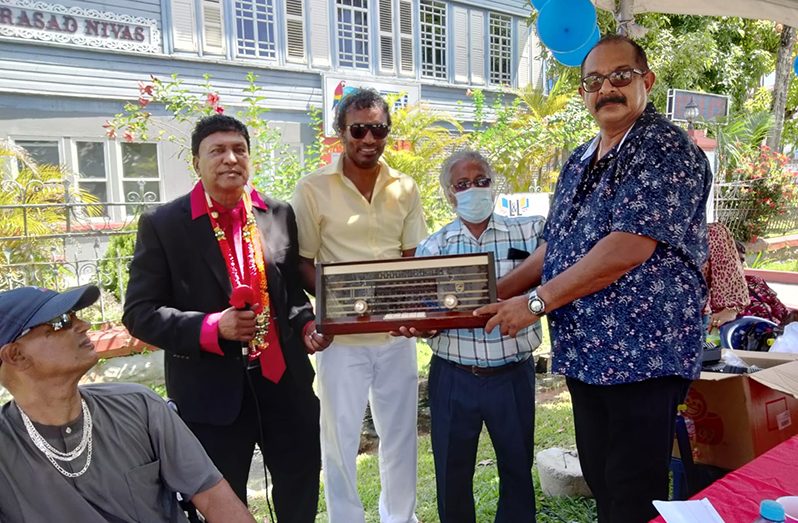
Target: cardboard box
(738, 417)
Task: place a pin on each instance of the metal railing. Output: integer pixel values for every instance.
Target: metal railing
(734, 207)
(50, 238)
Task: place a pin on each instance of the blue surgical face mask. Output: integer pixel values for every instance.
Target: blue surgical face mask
(474, 205)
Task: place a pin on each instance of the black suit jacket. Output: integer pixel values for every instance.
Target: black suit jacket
(177, 276)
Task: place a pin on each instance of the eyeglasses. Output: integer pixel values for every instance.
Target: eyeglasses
(62, 321)
(620, 78)
(378, 130)
(464, 185)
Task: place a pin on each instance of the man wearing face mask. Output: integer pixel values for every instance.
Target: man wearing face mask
(476, 377)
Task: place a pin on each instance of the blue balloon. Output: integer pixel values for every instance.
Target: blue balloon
(564, 25)
(538, 4)
(574, 58)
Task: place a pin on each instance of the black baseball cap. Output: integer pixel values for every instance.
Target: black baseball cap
(27, 307)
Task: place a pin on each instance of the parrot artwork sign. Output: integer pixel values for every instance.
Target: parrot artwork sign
(336, 88)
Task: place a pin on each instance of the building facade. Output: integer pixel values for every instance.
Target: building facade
(68, 67)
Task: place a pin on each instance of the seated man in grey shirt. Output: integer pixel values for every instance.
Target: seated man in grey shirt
(96, 453)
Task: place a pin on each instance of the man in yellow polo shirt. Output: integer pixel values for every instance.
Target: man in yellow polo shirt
(360, 209)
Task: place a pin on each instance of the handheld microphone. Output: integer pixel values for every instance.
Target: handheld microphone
(243, 298)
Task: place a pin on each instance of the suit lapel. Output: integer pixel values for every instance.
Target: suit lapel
(201, 236)
(265, 219)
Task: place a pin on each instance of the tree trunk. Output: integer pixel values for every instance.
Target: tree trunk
(783, 63)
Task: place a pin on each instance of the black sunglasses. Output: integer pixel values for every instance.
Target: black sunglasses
(620, 78)
(62, 321)
(463, 185)
(379, 131)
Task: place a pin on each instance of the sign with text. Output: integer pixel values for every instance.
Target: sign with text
(28, 20)
(710, 106)
(337, 87)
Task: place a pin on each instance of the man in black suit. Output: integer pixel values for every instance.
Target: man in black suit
(214, 283)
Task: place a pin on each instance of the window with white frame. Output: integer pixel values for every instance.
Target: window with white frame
(43, 152)
(93, 165)
(92, 175)
(140, 176)
(353, 33)
(255, 28)
(433, 39)
(500, 35)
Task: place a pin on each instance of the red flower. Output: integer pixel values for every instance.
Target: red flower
(144, 102)
(110, 130)
(128, 136)
(145, 88)
(219, 109)
(213, 99)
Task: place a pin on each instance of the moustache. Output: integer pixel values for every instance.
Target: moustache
(610, 99)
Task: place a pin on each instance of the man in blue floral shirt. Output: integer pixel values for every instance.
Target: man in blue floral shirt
(621, 282)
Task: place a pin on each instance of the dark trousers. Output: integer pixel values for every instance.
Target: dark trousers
(459, 404)
(624, 434)
(291, 446)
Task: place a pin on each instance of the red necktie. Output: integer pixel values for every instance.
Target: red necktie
(272, 362)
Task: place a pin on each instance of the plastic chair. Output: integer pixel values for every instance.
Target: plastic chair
(731, 332)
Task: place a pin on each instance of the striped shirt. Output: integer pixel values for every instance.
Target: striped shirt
(474, 346)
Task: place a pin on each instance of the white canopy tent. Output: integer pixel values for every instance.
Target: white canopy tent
(783, 11)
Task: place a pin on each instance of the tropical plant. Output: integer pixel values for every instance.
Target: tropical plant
(770, 189)
(36, 201)
(532, 135)
(419, 142)
(276, 166)
(112, 270)
(738, 136)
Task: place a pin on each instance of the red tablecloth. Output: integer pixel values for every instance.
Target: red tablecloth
(737, 495)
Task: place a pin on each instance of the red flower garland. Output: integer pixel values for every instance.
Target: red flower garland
(255, 268)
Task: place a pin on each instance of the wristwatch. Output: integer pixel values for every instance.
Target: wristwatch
(536, 305)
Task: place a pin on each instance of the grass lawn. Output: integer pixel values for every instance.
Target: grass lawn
(787, 265)
(553, 428)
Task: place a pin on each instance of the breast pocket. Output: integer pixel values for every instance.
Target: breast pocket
(150, 497)
(505, 266)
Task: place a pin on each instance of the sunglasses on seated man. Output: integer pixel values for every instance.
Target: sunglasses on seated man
(379, 131)
(619, 78)
(62, 321)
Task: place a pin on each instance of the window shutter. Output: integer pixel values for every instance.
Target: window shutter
(477, 47)
(460, 16)
(184, 25)
(212, 27)
(294, 31)
(386, 35)
(407, 63)
(524, 68)
(319, 34)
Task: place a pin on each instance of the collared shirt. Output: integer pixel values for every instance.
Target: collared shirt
(142, 454)
(336, 223)
(648, 323)
(475, 346)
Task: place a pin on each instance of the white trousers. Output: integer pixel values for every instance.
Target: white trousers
(386, 375)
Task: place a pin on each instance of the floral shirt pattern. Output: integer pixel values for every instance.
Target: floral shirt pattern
(648, 323)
